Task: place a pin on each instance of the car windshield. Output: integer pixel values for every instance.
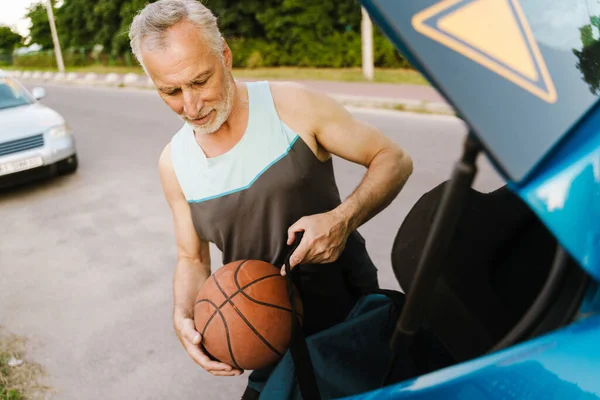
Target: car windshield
(12, 94)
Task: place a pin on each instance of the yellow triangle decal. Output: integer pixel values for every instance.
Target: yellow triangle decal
(499, 38)
(493, 34)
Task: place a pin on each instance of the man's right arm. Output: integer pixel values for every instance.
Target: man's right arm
(192, 270)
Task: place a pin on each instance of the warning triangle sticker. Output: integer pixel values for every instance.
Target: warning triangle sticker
(493, 33)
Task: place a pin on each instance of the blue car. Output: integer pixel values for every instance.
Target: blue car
(501, 289)
(505, 282)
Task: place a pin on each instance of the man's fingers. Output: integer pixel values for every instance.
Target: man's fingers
(191, 341)
(291, 237)
(190, 333)
(298, 226)
(204, 361)
(299, 254)
(235, 372)
(216, 366)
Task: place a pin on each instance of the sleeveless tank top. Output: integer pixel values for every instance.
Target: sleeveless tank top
(245, 200)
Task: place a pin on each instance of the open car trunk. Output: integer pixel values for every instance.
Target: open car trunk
(501, 279)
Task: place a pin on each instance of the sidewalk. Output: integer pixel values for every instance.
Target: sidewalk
(372, 95)
(384, 95)
(379, 90)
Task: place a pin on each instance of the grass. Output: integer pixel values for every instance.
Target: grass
(19, 382)
(417, 109)
(405, 76)
(9, 394)
(381, 75)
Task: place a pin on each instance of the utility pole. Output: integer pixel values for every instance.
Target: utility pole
(59, 59)
(367, 45)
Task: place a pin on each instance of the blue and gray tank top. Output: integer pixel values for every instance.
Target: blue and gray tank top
(245, 200)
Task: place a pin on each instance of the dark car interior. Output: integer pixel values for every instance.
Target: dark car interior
(502, 279)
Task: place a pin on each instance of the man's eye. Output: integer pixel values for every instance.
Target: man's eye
(200, 83)
(172, 92)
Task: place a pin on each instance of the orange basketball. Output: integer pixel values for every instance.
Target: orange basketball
(244, 314)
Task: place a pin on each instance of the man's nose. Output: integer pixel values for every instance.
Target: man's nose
(192, 104)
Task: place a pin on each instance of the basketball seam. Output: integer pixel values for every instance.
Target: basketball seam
(237, 284)
(240, 290)
(265, 341)
(235, 294)
(226, 332)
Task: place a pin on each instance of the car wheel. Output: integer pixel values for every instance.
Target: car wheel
(68, 165)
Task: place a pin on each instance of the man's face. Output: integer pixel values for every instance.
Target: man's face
(195, 83)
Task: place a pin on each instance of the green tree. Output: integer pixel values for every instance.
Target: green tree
(107, 21)
(40, 29)
(586, 34)
(128, 11)
(595, 21)
(9, 39)
(589, 56)
(589, 65)
(238, 19)
(261, 33)
(75, 24)
(313, 32)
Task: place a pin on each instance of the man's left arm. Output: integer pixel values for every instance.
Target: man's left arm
(388, 169)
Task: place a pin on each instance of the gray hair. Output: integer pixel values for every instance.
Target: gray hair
(149, 25)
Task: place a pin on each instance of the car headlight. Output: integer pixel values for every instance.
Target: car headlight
(59, 131)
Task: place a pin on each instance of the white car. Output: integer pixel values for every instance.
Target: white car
(35, 141)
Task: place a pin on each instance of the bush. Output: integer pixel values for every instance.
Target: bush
(385, 54)
(255, 60)
(248, 52)
(42, 59)
(5, 59)
(300, 47)
(338, 50)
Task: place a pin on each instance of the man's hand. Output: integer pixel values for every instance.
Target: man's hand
(191, 339)
(324, 239)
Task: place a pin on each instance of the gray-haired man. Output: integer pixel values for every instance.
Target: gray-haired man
(252, 166)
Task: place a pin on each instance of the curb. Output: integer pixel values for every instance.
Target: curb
(389, 103)
(137, 81)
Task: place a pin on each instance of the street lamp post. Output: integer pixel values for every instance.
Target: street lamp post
(367, 45)
(59, 59)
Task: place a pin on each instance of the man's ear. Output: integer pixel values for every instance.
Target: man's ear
(227, 55)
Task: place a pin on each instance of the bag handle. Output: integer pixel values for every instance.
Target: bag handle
(305, 373)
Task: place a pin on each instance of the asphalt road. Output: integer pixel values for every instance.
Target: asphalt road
(87, 260)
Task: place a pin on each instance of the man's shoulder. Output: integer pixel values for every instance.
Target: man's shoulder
(294, 97)
(288, 89)
(177, 140)
(301, 102)
(181, 131)
(165, 162)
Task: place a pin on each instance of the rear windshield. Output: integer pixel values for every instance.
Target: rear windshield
(572, 27)
(12, 94)
(521, 73)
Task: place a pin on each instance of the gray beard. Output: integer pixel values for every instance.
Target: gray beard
(223, 111)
